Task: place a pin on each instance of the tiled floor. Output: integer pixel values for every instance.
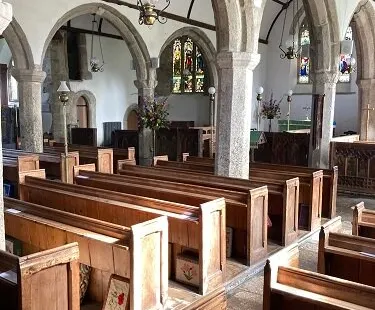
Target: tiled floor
(249, 295)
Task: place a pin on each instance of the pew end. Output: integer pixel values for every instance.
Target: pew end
(149, 241)
(29, 280)
(27, 162)
(105, 160)
(161, 158)
(71, 160)
(79, 168)
(357, 217)
(212, 260)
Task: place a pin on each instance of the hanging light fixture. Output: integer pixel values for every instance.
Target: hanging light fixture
(290, 50)
(147, 13)
(94, 61)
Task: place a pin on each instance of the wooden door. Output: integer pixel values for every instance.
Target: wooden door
(132, 120)
(82, 113)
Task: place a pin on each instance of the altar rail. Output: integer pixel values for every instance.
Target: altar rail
(356, 163)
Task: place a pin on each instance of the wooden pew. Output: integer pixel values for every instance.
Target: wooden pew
(363, 221)
(282, 195)
(29, 281)
(54, 164)
(120, 156)
(347, 257)
(330, 177)
(246, 212)
(102, 158)
(311, 186)
(138, 253)
(201, 229)
(294, 289)
(15, 170)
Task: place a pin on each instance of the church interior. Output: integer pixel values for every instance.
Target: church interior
(135, 131)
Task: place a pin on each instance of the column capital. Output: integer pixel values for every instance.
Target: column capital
(26, 75)
(228, 60)
(366, 83)
(6, 14)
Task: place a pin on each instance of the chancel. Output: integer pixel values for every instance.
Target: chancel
(187, 154)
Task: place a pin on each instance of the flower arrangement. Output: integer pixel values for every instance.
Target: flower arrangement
(154, 114)
(271, 109)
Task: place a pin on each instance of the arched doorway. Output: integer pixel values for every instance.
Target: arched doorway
(132, 120)
(82, 113)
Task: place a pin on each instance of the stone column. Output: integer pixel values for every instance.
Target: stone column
(5, 19)
(324, 83)
(366, 93)
(30, 98)
(146, 90)
(235, 70)
(59, 72)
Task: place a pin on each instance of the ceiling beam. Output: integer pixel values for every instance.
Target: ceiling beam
(86, 31)
(285, 6)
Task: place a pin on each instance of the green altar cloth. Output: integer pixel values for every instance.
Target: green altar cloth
(293, 125)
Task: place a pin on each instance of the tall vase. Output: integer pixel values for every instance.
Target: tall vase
(270, 124)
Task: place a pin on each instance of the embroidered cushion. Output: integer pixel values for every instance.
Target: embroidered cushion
(84, 278)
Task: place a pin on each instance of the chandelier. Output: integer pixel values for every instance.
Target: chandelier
(147, 13)
(291, 49)
(94, 61)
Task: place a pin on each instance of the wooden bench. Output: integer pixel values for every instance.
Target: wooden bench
(54, 164)
(294, 289)
(282, 195)
(120, 156)
(27, 282)
(347, 257)
(102, 158)
(363, 221)
(138, 253)
(201, 229)
(330, 177)
(246, 212)
(311, 186)
(15, 170)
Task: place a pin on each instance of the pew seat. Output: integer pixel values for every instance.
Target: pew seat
(347, 257)
(138, 253)
(199, 228)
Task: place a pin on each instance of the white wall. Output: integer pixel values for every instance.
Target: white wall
(114, 87)
(190, 108)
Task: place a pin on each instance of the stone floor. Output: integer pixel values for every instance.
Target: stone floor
(249, 295)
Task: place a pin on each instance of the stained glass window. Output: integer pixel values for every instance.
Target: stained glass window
(12, 85)
(304, 63)
(304, 60)
(345, 60)
(188, 67)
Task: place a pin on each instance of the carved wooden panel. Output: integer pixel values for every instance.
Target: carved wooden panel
(356, 163)
(284, 148)
(84, 136)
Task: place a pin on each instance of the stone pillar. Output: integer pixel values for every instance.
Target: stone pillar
(366, 93)
(324, 83)
(5, 19)
(235, 70)
(59, 72)
(30, 98)
(146, 90)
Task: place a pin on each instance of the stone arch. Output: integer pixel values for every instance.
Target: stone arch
(238, 24)
(91, 103)
(363, 23)
(201, 39)
(127, 113)
(325, 34)
(133, 39)
(19, 46)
